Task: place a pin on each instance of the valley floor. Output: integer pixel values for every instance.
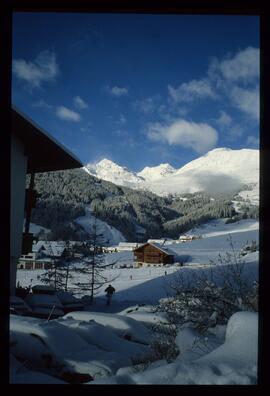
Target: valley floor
(227, 356)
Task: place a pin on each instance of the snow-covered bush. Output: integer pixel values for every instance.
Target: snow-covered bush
(163, 344)
(206, 299)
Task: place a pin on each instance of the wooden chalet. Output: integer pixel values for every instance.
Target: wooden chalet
(153, 254)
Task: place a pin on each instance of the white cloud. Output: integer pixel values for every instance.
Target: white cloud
(194, 89)
(243, 67)
(43, 68)
(145, 106)
(247, 100)
(66, 114)
(253, 141)
(122, 119)
(224, 119)
(201, 137)
(41, 103)
(80, 103)
(117, 91)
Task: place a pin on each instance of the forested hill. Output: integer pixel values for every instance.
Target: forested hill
(64, 194)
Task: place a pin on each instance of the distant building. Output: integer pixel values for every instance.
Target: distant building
(127, 246)
(31, 262)
(32, 151)
(109, 249)
(55, 249)
(155, 254)
(163, 241)
(188, 238)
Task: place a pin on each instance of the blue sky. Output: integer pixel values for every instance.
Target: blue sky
(139, 89)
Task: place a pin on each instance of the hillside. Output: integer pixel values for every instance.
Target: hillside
(68, 198)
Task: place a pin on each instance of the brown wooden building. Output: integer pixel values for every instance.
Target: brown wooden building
(153, 254)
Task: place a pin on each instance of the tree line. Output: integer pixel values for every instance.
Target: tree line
(64, 194)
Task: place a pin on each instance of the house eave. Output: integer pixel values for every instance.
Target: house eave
(44, 152)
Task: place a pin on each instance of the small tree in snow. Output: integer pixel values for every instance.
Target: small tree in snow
(55, 275)
(92, 268)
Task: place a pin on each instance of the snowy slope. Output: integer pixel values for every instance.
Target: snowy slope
(220, 170)
(218, 227)
(111, 235)
(37, 229)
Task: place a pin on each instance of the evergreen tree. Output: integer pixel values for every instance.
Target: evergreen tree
(92, 269)
(54, 275)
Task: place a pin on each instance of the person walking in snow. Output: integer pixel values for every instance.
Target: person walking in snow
(109, 290)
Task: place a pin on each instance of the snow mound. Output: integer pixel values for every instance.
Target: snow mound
(18, 374)
(34, 339)
(122, 326)
(104, 338)
(241, 342)
(149, 319)
(232, 363)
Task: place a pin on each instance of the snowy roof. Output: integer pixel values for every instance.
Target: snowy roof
(129, 244)
(160, 247)
(163, 248)
(50, 248)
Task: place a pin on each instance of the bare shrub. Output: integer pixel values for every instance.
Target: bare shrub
(210, 297)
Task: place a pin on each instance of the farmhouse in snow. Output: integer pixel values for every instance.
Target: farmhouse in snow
(42, 255)
(153, 254)
(32, 261)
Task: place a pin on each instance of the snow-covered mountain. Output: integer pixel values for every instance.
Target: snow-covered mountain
(153, 173)
(220, 170)
(110, 171)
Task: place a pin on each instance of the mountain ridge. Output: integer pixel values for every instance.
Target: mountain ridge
(220, 170)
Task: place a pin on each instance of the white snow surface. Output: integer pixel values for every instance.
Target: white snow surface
(18, 374)
(149, 284)
(156, 172)
(220, 170)
(110, 234)
(232, 363)
(91, 341)
(64, 344)
(240, 348)
(121, 325)
(37, 229)
(110, 171)
(218, 227)
(251, 195)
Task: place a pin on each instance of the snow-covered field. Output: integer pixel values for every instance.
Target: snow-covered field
(226, 355)
(149, 284)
